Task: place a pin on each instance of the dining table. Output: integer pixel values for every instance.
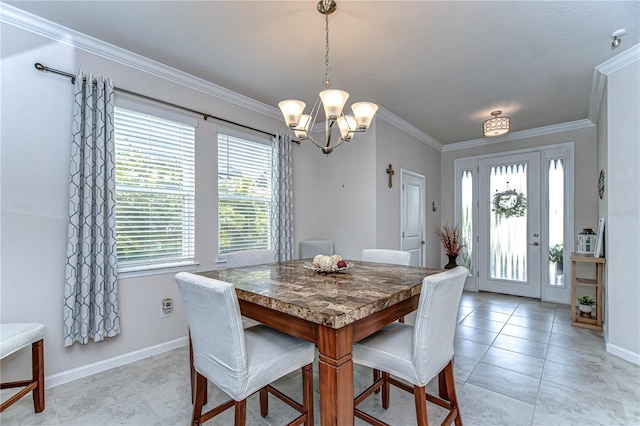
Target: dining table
(332, 310)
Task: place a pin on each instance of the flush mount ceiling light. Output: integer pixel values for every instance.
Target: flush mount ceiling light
(496, 126)
(332, 100)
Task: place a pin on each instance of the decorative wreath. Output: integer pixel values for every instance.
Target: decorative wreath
(509, 203)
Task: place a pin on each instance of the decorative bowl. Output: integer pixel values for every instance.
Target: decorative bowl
(309, 265)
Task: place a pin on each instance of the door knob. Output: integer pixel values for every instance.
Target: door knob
(536, 235)
(535, 243)
(422, 242)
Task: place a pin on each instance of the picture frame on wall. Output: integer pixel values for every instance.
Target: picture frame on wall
(599, 251)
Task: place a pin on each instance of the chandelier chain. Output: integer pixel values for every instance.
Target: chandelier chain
(327, 76)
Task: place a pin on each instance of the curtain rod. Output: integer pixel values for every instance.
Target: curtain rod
(43, 68)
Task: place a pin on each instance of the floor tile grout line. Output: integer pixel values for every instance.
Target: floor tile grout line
(158, 416)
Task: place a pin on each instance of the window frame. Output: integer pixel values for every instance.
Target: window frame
(152, 108)
(249, 137)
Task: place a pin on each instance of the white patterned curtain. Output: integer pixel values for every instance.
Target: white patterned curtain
(282, 201)
(91, 292)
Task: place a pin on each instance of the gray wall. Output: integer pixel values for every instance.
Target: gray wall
(393, 146)
(334, 195)
(36, 134)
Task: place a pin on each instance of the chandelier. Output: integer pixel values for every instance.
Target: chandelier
(496, 126)
(333, 101)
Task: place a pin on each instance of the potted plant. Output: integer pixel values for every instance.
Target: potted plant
(585, 304)
(451, 237)
(556, 255)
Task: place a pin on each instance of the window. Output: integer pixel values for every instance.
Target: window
(555, 170)
(244, 194)
(466, 195)
(155, 190)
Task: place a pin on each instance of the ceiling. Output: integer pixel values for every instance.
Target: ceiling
(443, 66)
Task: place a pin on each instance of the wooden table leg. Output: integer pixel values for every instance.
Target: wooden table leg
(335, 376)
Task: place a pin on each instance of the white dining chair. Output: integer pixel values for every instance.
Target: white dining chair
(417, 354)
(14, 337)
(240, 362)
(238, 259)
(250, 257)
(396, 257)
(312, 248)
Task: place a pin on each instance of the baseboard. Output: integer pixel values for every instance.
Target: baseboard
(88, 370)
(625, 354)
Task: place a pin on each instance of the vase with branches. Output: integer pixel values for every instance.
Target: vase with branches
(451, 238)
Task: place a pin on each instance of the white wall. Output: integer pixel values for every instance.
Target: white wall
(334, 195)
(602, 129)
(36, 134)
(622, 228)
(403, 151)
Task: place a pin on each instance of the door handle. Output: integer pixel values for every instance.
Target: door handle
(422, 242)
(535, 243)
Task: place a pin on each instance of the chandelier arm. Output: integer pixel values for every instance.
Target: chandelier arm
(314, 113)
(314, 142)
(340, 142)
(328, 124)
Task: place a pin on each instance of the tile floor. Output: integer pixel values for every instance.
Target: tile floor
(518, 362)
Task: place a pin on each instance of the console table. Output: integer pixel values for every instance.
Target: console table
(577, 320)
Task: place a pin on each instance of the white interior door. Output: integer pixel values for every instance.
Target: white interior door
(509, 246)
(413, 216)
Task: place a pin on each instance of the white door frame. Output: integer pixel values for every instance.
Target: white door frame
(561, 150)
(404, 174)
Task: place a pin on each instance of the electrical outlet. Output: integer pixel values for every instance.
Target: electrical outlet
(166, 307)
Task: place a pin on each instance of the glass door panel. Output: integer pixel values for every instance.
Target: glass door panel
(509, 250)
(508, 230)
(556, 171)
(467, 219)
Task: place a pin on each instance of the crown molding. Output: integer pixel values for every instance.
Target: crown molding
(600, 77)
(45, 28)
(538, 131)
(621, 60)
(407, 127)
(32, 23)
(597, 91)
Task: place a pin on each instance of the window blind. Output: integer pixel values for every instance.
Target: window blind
(244, 194)
(155, 189)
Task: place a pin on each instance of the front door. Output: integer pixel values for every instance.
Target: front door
(509, 251)
(413, 216)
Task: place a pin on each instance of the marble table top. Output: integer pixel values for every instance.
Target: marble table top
(333, 300)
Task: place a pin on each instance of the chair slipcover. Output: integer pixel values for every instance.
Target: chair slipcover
(15, 336)
(396, 257)
(418, 353)
(250, 257)
(312, 248)
(238, 361)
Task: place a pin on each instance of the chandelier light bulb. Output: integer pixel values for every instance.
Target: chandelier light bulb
(333, 101)
(302, 130)
(364, 112)
(347, 125)
(292, 110)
